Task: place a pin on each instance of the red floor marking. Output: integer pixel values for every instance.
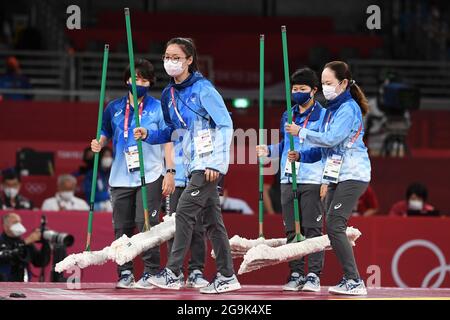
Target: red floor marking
(106, 291)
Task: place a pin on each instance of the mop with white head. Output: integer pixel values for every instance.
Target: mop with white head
(123, 249)
(263, 255)
(240, 246)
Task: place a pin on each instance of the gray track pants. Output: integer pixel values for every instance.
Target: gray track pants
(200, 197)
(340, 201)
(198, 246)
(128, 213)
(311, 222)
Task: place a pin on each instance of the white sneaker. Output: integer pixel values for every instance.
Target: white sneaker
(349, 287)
(166, 279)
(196, 280)
(221, 284)
(143, 283)
(312, 283)
(295, 282)
(126, 280)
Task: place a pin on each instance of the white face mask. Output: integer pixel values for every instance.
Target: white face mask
(329, 92)
(11, 192)
(172, 68)
(17, 229)
(415, 204)
(107, 162)
(66, 195)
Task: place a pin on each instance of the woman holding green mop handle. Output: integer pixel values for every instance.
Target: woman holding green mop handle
(193, 108)
(347, 164)
(307, 113)
(125, 181)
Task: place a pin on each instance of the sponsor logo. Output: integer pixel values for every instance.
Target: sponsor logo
(337, 206)
(195, 193)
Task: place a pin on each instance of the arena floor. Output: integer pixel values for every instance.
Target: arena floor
(106, 291)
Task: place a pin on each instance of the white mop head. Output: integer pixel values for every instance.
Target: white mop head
(240, 246)
(128, 248)
(123, 249)
(83, 260)
(263, 255)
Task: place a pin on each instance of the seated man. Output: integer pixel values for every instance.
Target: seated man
(65, 196)
(16, 253)
(416, 197)
(10, 197)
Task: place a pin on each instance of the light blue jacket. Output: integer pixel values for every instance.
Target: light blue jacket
(113, 128)
(333, 138)
(181, 179)
(309, 173)
(199, 107)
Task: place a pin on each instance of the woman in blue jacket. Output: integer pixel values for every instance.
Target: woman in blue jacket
(198, 246)
(347, 165)
(193, 108)
(125, 180)
(307, 113)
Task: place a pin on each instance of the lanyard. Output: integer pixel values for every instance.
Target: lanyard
(307, 118)
(328, 121)
(172, 91)
(127, 115)
(355, 137)
(305, 123)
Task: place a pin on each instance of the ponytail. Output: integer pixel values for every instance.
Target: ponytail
(359, 96)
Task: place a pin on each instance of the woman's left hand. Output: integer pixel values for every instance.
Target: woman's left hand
(140, 133)
(211, 175)
(168, 185)
(293, 129)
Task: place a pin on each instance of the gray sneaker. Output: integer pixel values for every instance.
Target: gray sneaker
(312, 283)
(221, 284)
(167, 279)
(126, 280)
(196, 280)
(295, 282)
(349, 287)
(143, 283)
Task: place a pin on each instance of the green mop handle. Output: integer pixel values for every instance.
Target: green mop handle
(299, 236)
(96, 155)
(136, 118)
(261, 136)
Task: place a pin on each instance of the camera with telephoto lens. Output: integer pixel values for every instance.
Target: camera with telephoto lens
(55, 237)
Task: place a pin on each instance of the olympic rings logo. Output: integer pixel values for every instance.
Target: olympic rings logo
(442, 269)
(35, 188)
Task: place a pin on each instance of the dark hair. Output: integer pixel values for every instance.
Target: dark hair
(144, 69)
(305, 76)
(87, 151)
(188, 47)
(103, 151)
(342, 72)
(10, 174)
(418, 189)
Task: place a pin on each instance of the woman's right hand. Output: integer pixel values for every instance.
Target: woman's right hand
(95, 146)
(293, 156)
(262, 150)
(323, 191)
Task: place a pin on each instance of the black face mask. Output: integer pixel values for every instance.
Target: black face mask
(140, 90)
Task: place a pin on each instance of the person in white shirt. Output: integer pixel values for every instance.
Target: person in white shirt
(64, 198)
(234, 204)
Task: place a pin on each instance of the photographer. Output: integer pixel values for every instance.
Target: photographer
(16, 253)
